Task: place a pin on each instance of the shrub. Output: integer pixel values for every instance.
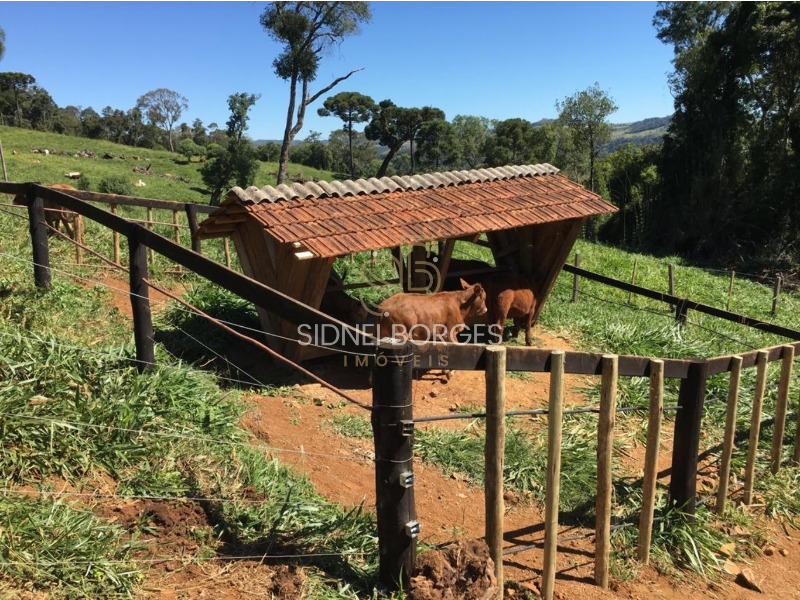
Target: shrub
(84, 183)
(115, 185)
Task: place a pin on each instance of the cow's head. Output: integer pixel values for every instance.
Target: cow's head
(475, 298)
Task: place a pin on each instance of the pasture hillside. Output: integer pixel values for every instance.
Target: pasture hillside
(181, 480)
(171, 176)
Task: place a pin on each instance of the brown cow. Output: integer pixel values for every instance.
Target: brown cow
(510, 296)
(431, 317)
(55, 215)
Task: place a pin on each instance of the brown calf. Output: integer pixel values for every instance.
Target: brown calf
(510, 296)
(55, 215)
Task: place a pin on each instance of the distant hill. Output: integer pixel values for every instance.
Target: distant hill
(646, 131)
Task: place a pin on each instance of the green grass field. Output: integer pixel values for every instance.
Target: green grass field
(74, 409)
(168, 167)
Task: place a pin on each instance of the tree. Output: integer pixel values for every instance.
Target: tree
(307, 29)
(15, 85)
(188, 148)
(268, 152)
(2, 43)
(163, 108)
(364, 153)
(350, 107)
(436, 145)
(512, 143)
(393, 126)
(471, 134)
(585, 114)
(235, 161)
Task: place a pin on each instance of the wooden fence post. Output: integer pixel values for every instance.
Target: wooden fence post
(755, 426)
(41, 249)
(495, 456)
(575, 278)
(778, 431)
(671, 275)
(730, 291)
(553, 485)
(393, 431)
(140, 301)
(633, 278)
(227, 249)
(686, 439)
(115, 236)
(776, 294)
(730, 433)
(651, 459)
(191, 214)
(605, 448)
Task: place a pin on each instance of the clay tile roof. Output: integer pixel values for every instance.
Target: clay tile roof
(338, 217)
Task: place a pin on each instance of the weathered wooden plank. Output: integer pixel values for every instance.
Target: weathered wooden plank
(605, 449)
(755, 428)
(730, 434)
(470, 357)
(686, 444)
(494, 456)
(654, 417)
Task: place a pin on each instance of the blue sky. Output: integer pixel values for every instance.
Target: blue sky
(493, 59)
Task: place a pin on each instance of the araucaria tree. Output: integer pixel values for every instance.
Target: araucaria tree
(351, 108)
(236, 161)
(163, 108)
(306, 30)
(585, 114)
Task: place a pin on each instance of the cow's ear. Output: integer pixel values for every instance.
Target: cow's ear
(464, 284)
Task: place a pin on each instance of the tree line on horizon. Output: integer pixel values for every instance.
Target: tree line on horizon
(722, 187)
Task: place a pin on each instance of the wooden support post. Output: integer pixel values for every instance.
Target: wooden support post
(654, 416)
(605, 448)
(633, 278)
(755, 426)
(778, 431)
(686, 439)
(140, 301)
(115, 236)
(730, 433)
(553, 485)
(776, 294)
(41, 249)
(671, 275)
(80, 240)
(730, 291)
(495, 456)
(226, 246)
(575, 278)
(191, 214)
(150, 251)
(394, 475)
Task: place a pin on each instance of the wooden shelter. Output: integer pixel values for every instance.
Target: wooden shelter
(288, 236)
